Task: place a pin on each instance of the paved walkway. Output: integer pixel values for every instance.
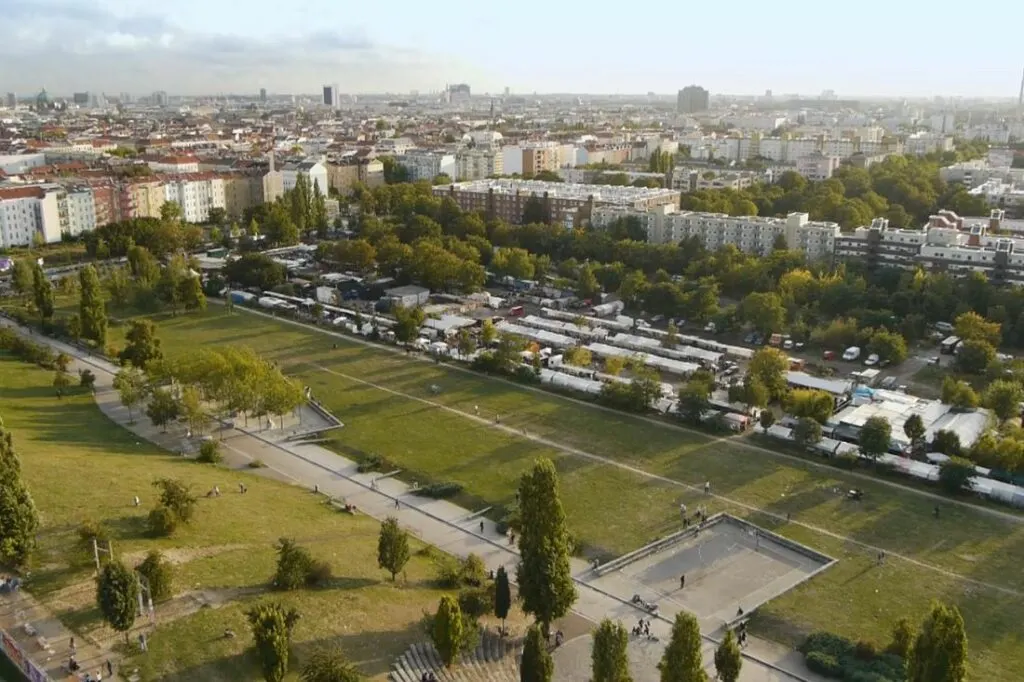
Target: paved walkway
(451, 528)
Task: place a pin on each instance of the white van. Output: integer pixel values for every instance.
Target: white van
(851, 353)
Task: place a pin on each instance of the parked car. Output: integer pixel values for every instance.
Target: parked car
(788, 344)
(710, 328)
(828, 355)
(871, 360)
(889, 383)
(800, 345)
(851, 353)
(749, 338)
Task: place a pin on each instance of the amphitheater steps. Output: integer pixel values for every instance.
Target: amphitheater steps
(496, 659)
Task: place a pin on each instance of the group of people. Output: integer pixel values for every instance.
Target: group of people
(428, 677)
(10, 584)
(643, 629)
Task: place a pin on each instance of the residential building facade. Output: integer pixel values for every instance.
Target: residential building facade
(315, 172)
(28, 211)
(426, 165)
(480, 163)
(196, 194)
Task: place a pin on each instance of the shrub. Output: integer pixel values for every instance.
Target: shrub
(439, 491)
(847, 461)
(319, 574)
(474, 573)
(209, 452)
(370, 463)
(86, 379)
(256, 464)
(293, 565)
(159, 574)
(476, 602)
(865, 650)
(449, 572)
(823, 664)
(90, 530)
(162, 521)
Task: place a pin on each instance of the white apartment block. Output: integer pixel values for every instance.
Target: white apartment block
(751, 234)
(172, 164)
(196, 194)
(975, 173)
(77, 209)
(27, 211)
(999, 194)
(477, 164)
(16, 164)
(426, 165)
(315, 172)
(922, 143)
(818, 166)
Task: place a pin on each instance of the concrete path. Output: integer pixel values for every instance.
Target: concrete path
(449, 527)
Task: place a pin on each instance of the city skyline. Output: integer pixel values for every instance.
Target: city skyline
(204, 48)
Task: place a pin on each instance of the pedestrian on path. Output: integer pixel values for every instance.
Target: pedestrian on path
(110, 668)
(397, 503)
(476, 410)
(682, 581)
(707, 487)
(481, 527)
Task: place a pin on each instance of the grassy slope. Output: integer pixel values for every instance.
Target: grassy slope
(80, 465)
(612, 510)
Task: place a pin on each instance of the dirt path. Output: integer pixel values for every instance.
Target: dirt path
(576, 452)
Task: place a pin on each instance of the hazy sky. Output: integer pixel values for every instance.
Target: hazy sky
(885, 47)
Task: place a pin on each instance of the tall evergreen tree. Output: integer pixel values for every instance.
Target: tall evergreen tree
(91, 309)
(682, 661)
(42, 292)
(392, 547)
(448, 630)
(536, 664)
(117, 595)
(298, 201)
(728, 659)
(545, 581)
(19, 518)
(939, 653)
(143, 347)
(502, 595)
(608, 656)
(272, 627)
(318, 212)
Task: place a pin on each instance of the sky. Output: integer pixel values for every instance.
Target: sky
(871, 47)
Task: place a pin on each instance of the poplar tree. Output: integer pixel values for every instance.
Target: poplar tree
(19, 518)
(939, 653)
(536, 664)
(91, 309)
(682, 660)
(609, 660)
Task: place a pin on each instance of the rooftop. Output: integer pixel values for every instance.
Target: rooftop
(610, 194)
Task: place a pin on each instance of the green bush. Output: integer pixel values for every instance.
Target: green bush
(847, 461)
(823, 664)
(319, 574)
(256, 464)
(209, 452)
(370, 463)
(439, 491)
(159, 574)
(474, 573)
(839, 658)
(162, 521)
(90, 530)
(476, 602)
(449, 572)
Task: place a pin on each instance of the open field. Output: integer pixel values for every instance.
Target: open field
(80, 465)
(613, 509)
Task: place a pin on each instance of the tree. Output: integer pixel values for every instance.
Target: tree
(42, 293)
(145, 268)
(19, 518)
(502, 595)
(536, 664)
(535, 211)
(766, 419)
(902, 638)
(355, 254)
(86, 379)
(190, 293)
(448, 630)
(131, 386)
(177, 498)
(328, 664)
(159, 575)
(763, 311)
(170, 212)
(587, 286)
(754, 392)
(955, 475)
(889, 346)
(947, 442)
(117, 595)
(91, 309)
(1003, 397)
(694, 401)
(22, 277)
(975, 355)
(769, 366)
(192, 409)
(163, 408)
(488, 333)
(293, 565)
(614, 365)
(807, 431)
(466, 343)
(728, 659)
(407, 323)
(255, 270)
(671, 338)
(578, 356)
(392, 547)
(609, 661)
(142, 345)
(971, 326)
(959, 394)
(875, 437)
(61, 382)
(939, 653)
(513, 262)
(682, 660)
(810, 403)
(272, 627)
(543, 574)
(915, 431)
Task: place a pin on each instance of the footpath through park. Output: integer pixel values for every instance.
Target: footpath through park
(442, 524)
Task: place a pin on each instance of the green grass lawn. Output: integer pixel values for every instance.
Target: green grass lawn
(79, 465)
(613, 510)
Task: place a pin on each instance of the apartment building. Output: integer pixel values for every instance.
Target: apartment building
(242, 191)
(172, 164)
(689, 179)
(315, 172)
(479, 163)
(751, 234)
(948, 243)
(1000, 194)
(541, 156)
(27, 211)
(817, 166)
(76, 206)
(142, 198)
(692, 99)
(921, 143)
(565, 203)
(196, 193)
(427, 165)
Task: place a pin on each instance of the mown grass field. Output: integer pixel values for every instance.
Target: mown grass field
(79, 465)
(613, 510)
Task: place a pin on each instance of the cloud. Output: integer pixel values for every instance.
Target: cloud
(69, 45)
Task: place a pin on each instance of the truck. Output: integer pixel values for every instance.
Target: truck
(851, 353)
(949, 345)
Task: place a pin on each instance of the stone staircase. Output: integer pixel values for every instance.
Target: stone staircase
(496, 659)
